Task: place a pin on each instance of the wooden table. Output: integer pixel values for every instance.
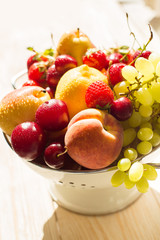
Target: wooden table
(26, 209)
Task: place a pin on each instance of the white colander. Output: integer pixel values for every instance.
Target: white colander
(88, 191)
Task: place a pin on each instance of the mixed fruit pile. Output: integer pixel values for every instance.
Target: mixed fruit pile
(87, 108)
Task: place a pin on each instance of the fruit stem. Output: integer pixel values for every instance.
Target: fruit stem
(144, 47)
(65, 151)
(78, 32)
(53, 42)
(132, 33)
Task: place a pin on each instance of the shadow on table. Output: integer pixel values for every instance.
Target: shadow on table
(144, 213)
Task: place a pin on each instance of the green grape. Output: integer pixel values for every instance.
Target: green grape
(144, 96)
(146, 125)
(155, 140)
(135, 120)
(145, 67)
(144, 147)
(129, 73)
(158, 69)
(128, 136)
(145, 119)
(145, 134)
(135, 172)
(124, 164)
(142, 185)
(145, 111)
(154, 58)
(155, 91)
(121, 87)
(131, 153)
(118, 178)
(149, 172)
(128, 184)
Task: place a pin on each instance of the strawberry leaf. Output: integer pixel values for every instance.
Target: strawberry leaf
(105, 107)
(49, 52)
(42, 69)
(37, 57)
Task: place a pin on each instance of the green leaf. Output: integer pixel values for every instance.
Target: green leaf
(49, 52)
(31, 49)
(42, 69)
(107, 106)
(37, 57)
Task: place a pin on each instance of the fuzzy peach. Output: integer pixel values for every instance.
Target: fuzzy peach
(94, 138)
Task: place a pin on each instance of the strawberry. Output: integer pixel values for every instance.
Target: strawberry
(37, 72)
(45, 56)
(99, 95)
(35, 58)
(115, 73)
(95, 58)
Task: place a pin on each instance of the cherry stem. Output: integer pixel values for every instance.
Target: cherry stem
(53, 42)
(65, 151)
(132, 33)
(144, 47)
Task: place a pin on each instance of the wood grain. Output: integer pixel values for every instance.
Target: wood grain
(27, 211)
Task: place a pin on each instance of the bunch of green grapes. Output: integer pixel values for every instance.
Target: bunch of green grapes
(142, 130)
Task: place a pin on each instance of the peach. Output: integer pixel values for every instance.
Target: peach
(94, 138)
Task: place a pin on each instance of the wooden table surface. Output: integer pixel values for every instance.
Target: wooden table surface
(26, 209)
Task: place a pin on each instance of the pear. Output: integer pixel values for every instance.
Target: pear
(75, 44)
(20, 106)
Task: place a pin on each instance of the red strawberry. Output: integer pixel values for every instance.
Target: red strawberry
(99, 95)
(95, 58)
(37, 72)
(35, 58)
(115, 73)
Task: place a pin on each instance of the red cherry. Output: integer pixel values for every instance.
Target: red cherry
(53, 76)
(115, 73)
(144, 54)
(114, 58)
(28, 140)
(122, 108)
(35, 58)
(52, 115)
(64, 62)
(37, 72)
(51, 155)
(30, 83)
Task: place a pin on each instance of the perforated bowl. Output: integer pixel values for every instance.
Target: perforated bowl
(88, 191)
